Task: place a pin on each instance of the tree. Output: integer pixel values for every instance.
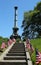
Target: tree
(32, 23)
(38, 6)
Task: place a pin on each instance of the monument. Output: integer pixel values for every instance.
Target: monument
(15, 28)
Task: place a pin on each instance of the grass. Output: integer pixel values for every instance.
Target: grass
(5, 40)
(36, 44)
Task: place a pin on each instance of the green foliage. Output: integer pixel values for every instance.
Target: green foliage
(31, 18)
(38, 6)
(1, 39)
(36, 44)
(17, 40)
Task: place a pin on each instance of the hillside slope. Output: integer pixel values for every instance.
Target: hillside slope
(36, 44)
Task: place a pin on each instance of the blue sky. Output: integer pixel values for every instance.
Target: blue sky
(7, 14)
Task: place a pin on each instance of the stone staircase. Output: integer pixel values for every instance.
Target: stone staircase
(16, 55)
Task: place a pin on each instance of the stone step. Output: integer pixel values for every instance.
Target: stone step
(16, 54)
(18, 45)
(17, 50)
(13, 62)
(14, 58)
